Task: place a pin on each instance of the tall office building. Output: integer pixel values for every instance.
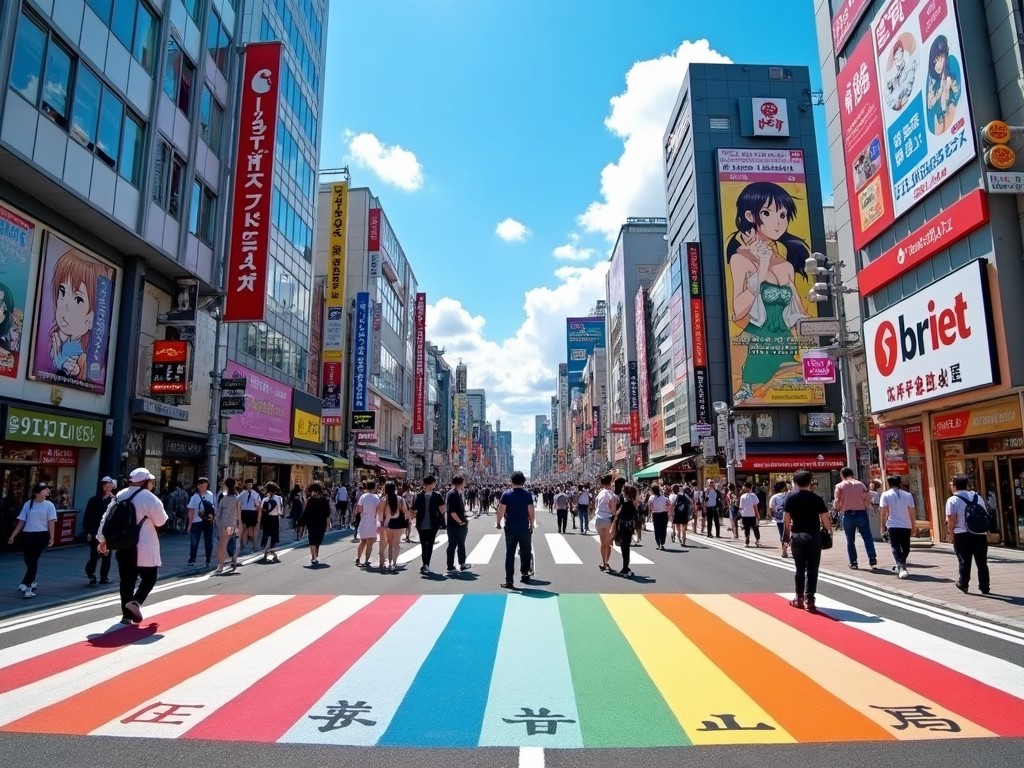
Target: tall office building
(116, 132)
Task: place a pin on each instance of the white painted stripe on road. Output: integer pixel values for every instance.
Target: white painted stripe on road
(531, 757)
(414, 551)
(635, 558)
(67, 637)
(484, 550)
(990, 670)
(914, 606)
(44, 693)
(561, 550)
(218, 685)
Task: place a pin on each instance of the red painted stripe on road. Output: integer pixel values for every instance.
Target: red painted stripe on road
(990, 708)
(267, 710)
(87, 710)
(60, 659)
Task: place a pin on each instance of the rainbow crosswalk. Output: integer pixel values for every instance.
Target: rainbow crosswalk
(554, 671)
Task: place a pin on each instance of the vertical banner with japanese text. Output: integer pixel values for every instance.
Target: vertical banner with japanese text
(640, 322)
(330, 393)
(698, 337)
(635, 437)
(246, 278)
(334, 301)
(361, 354)
(766, 236)
(420, 363)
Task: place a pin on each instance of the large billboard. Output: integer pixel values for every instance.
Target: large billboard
(16, 236)
(922, 86)
(766, 239)
(245, 289)
(582, 336)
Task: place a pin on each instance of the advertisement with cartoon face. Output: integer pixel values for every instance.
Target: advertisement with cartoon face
(74, 318)
(15, 257)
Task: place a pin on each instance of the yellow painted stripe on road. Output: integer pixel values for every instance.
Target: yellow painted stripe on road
(861, 687)
(703, 699)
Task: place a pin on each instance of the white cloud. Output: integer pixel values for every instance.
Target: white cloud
(512, 231)
(393, 164)
(634, 185)
(519, 372)
(572, 251)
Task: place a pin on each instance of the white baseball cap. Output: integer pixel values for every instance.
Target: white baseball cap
(107, 479)
(140, 474)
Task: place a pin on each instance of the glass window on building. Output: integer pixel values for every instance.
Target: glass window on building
(218, 42)
(122, 21)
(27, 63)
(176, 187)
(86, 111)
(211, 121)
(102, 8)
(144, 45)
(193, 7)
(201, 215)
(179, 74)
(108, 141)
(57, 83)
(161, 159)
(133, 144)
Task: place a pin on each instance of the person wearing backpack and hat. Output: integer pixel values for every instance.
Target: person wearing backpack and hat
(202, 508)
(967, 526)
(137, 565)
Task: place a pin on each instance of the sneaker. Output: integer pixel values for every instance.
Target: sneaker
(133, 609)
(92, 581)
(872, 562)
(452, 571)
(627, 573)
(902, 574)
(961, 587)
(23, 588)
(423, 570)
(191, 563)
(219, 572)
(28, 594)
(104, 580)
(465, 567)
(126, 621)
(853, 566)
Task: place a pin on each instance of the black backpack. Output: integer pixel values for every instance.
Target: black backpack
(976, 516)
(209, 511)
(625, 526)
(683, 506)
(120, 531)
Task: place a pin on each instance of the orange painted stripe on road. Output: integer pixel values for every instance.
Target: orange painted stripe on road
(782, 690)
(89, 709)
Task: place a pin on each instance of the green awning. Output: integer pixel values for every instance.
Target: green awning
(335, 462)
(654, 470)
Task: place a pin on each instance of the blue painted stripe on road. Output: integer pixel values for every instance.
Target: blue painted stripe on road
(446, 703)
(531, 684)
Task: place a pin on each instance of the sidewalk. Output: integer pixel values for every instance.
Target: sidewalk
(932, 579)
(62, 576)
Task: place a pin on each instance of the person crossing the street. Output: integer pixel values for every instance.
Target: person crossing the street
(659, 507)
(251, 502)
(750, 509)
(606, 505)
(561, 502)
(457, 524)
(428, 507)
(968, 546)
(852, 499)
(270, 522)
(712, 509)
(896, 507)
(37, 524)
(624, 523)
(583, 509)
(202, 509)
(777, 506)
(516, 508)
(367, 522)
(805, 514)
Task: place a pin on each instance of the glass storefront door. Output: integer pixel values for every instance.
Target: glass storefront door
(1000, 481)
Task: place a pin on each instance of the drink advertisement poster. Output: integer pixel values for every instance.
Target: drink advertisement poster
(766, 241)
(922, 86)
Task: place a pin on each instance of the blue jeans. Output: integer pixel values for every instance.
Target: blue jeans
(524, 541)
(853, 522)
(583, 511)
(201, 530)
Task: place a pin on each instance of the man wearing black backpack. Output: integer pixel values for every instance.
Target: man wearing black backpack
(967, 526)
(130, 526)
(202, 508)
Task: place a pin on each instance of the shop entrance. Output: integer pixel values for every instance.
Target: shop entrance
(1000, 481)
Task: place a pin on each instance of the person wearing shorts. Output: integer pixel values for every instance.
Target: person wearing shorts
(606, 506)
(250, 501)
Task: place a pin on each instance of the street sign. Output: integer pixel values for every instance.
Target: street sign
(704, 429)
(620, 429)
(235, 382)
(740, 450)
(707, 445)
(231, 406)
(363, 421)
(819, 326)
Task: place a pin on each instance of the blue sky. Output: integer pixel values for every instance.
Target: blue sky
(541, 116)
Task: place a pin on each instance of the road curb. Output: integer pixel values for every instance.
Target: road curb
(964, 610)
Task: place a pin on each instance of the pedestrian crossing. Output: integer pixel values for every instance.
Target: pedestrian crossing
(552, 672)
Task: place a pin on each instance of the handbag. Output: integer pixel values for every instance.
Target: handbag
(826, 538)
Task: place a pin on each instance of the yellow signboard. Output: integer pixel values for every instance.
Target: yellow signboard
(306, 427)
(337, 245)
(765, 239)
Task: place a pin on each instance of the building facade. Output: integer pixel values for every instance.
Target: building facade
(930, 220)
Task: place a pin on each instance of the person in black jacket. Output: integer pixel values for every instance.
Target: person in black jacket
(458, 526)
(430, 511)
(94, 510)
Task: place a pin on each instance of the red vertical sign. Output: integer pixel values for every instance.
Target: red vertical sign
(373, 230)
(246, 279)
(420, 371)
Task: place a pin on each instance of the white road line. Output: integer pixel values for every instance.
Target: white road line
(561, 550)
(414, 551)
(635, 558)
(531, 757)
(914, 606)
(484, 550)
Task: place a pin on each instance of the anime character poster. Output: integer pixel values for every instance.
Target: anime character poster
(16, 236)
(766, 240)
(73, 318)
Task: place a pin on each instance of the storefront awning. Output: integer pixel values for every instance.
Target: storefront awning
(283, 456)
(654, 470)
(335, 462)
(392, 469)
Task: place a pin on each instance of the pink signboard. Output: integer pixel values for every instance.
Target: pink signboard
(819, 370)
(268, 407)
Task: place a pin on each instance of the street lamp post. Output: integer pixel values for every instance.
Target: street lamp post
(827, 285)
(724, 411)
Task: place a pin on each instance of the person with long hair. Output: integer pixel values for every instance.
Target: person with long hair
(605, 510)
(297, 501)
(37, 524)
(367, 524)
(394, 515)
(270, 522)
(316, 519)
(658, 505)
(226, 521)
(942, 90)
(626, 517)
(764, 259)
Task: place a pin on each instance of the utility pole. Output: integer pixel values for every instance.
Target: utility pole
(829, 285)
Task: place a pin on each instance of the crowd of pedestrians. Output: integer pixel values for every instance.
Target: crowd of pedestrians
(384, 513)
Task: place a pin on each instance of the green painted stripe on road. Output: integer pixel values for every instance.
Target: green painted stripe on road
(618, 704)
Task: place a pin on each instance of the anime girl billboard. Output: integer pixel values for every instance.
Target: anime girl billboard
(766, 235)
(16, 235)
(74, 318)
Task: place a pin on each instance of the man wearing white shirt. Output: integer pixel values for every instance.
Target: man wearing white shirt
(201, 510)
(749, 507)
(712, 505)
(138, 563)
(251, 503)
(341, 504)
(896, 507)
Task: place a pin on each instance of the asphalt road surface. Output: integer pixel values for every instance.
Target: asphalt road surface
(696, 660)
